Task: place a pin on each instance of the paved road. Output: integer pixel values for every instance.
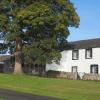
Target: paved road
(12, 95)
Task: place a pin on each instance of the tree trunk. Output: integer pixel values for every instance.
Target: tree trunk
(18, 57)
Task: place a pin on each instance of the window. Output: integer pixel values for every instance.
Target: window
(88, 53)
(74, 69)
(94, 69)
(75, 54)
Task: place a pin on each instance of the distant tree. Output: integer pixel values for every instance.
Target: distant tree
(36, 29)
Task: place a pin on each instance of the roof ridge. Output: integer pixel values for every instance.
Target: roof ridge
(85, 40)
(83, 44)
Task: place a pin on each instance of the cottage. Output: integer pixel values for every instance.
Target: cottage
(81, 57)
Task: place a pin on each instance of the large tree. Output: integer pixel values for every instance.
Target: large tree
(36, 29)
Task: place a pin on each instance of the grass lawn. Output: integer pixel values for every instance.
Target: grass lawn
(59, 88)
(1, 98)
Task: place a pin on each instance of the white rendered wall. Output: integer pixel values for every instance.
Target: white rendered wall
(83, 64)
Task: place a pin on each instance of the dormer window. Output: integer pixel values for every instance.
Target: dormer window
(75, 55)
(88, 53)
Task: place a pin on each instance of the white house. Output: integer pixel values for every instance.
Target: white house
(82, 57)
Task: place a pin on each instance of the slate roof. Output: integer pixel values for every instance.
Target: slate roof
(84, 44)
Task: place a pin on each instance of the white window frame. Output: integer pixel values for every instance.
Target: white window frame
(75, 56)
(94, 69)
(74, 69)
(88, 53)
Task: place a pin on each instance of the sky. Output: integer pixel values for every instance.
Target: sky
(89, 13)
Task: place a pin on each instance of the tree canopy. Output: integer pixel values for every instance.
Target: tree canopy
(37, 28)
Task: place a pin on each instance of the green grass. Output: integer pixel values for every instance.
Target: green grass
(2, 98)
(59, 88)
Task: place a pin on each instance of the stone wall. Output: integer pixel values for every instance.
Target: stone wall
(7, 64)
(66, 75)
(91, 77)
(8, 67)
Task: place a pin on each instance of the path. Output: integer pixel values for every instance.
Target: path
(12, 95)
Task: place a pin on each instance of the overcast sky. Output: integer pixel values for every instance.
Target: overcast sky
(89, 12)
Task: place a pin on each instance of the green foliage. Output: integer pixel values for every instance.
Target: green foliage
(45, 23)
